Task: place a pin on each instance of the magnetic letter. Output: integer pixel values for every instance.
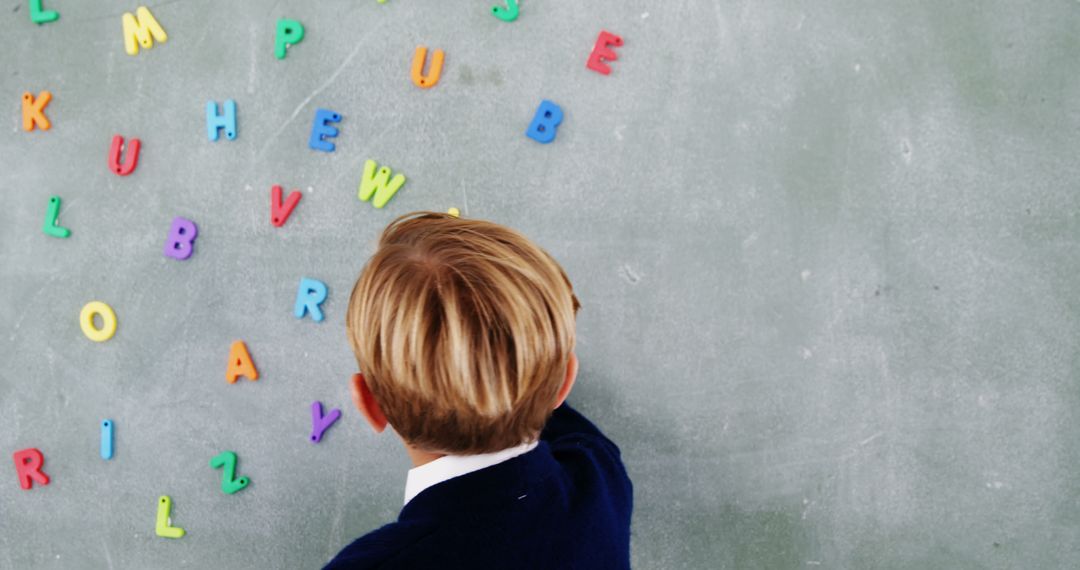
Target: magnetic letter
(227, 121)
(434, 72)
(319, 422)
(39, 15)
(163, 525)
(181, 241)
(28, 467)
(141, 29)
(507, 14)
(309, 296)
(601, 53)
(240, 363)
(108, 321)
(33, 111)
(289, 32)
(279, 212)
(106, 439)
(51, 228)
(321, 131)
(132, 155)
(378, 184)
(229, 482)
(546, 122)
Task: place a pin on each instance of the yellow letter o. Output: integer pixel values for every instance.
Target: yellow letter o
(108, 321)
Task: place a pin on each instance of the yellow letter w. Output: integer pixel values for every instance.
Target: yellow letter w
(379, 184)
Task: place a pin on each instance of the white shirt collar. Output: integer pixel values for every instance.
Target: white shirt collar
(450, 466)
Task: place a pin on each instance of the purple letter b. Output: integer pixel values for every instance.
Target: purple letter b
(181, 238)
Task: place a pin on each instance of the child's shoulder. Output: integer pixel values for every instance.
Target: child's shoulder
(568, 431)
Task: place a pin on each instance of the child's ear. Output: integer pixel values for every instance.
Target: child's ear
(568, 382)
(366, 403)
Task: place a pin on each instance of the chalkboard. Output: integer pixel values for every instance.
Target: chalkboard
(827, 254)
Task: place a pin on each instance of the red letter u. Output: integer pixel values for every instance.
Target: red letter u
(130, 161)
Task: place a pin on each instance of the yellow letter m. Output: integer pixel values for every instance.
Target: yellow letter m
(139, 28)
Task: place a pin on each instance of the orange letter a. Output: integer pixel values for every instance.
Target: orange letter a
(240, 363)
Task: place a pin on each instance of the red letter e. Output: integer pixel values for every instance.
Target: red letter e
(601, 53)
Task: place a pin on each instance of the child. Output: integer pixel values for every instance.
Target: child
(464, 331)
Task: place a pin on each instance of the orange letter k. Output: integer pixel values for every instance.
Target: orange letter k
(33, 111)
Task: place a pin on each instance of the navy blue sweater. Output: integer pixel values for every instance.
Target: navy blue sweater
(565, 504)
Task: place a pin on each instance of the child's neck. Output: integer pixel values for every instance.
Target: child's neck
(420, 457)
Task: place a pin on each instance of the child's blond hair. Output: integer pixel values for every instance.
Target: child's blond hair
(463, 330)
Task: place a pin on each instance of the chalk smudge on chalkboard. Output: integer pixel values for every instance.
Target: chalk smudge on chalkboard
(253, 60)
(871, 438)
(494, 76)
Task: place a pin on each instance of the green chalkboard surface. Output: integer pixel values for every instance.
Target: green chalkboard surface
(827, 251)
